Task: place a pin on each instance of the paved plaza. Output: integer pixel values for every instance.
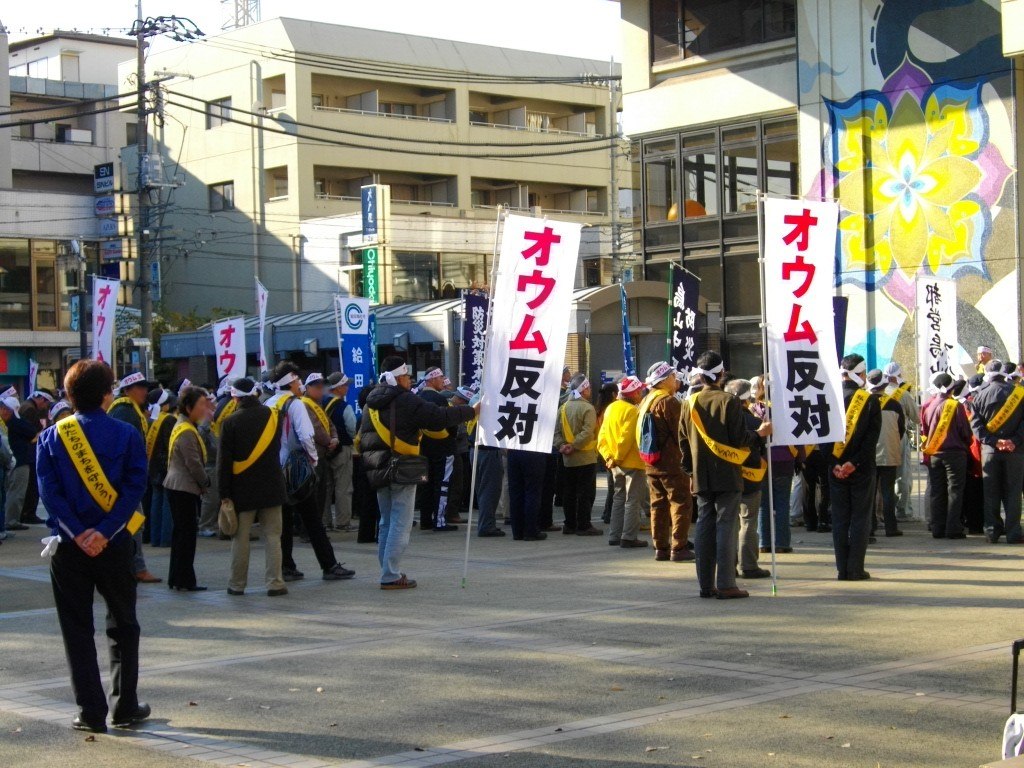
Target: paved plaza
(563, 653)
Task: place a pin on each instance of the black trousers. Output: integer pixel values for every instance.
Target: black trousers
(947, 473)
(579, 487)
(816, 491)
(28, 509)
(312, 520)
(524, 492)
(606, 517)
(430, 492)
(852, 507)
(885, 498)
(364, 503)
(185, 514)
(551, 470)
(75, 577)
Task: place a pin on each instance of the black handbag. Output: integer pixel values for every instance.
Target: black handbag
(299, 474)
(403, 469)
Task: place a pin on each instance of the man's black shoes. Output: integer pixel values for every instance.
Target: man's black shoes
(82, 724)
(142, 712)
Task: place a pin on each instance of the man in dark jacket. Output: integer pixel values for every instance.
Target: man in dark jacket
(998, 423)
(715, 441)
(852, 475)
(946, 436)
(250, 481)
(20, 435)
(439, 448)
(35, 411)
(392, 423)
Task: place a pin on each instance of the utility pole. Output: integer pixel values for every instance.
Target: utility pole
(141, 143)
(613, 185)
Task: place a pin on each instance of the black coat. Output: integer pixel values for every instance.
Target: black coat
(860, 451)
(412, 414)
(262, 484)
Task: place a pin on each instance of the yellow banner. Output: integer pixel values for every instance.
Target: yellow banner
(754, 474)
(180, 429)
(938, 435)
(860, 399)
(314, 406)
(724, 452)
(88, 466)
(402, 447)
(227, 410)
(142, 417)
(1008, 409)
(568, 433)
(154, 430)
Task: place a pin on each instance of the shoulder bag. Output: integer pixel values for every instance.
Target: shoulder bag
(404, 469)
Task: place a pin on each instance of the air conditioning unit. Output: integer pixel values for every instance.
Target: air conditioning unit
(77, 136)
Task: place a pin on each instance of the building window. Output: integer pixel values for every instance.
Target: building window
(277, 183)
(218, 112)
(15, 284)
(414, 276)
(131, 134)
(222, 196)
(686, 28)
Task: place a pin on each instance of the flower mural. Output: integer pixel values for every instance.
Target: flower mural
(917, 180)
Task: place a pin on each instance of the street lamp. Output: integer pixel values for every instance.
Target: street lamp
(179, 29)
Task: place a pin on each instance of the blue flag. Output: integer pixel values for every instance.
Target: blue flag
(628, 363)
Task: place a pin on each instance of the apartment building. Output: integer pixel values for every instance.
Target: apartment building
(273, 129)
(907, 113)
(49, 86)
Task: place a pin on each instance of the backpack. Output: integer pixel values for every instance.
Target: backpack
(650, 450)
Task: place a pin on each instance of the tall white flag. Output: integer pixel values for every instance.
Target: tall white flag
(799, 275)
(229, 347)
(532, 302)
(936, 328)
(104, 311)
(261, 307)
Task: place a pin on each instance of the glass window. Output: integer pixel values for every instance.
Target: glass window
(45, 297)
(743, 356)
(717, 25)
(699, 140)
(659, 145)
(665, 15)
(700, 185)
(662, 189)
(739, 179)
(657, 272)
(710, 273)
(780, 167)
(742, 285)
(218, 112)
(414, 276)
(462, 270)
(658, 237)
(15, 284)
(222, 196)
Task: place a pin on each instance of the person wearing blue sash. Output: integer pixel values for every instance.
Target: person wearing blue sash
(92, 474)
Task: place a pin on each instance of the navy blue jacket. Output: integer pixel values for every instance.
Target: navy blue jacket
(987, 401)
(20, 435)
(121, 453)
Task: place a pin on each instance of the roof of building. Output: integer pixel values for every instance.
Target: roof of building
(371, 45)
(59, 34)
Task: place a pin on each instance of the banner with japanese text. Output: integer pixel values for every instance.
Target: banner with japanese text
(354, 346)
(262, 294)
(628, 360)
(936, 328)
(684, 290)
(799, 275)
(474, 338)
(104, 310)
(529, 326)
(229, 348)
(33, 373)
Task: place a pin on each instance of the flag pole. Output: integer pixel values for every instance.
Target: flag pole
(767, 386)
(487, 349)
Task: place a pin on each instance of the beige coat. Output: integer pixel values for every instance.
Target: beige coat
(186, 470)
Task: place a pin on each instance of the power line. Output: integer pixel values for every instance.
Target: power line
(85, 113)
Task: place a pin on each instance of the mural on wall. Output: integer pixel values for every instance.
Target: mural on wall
(918, 148)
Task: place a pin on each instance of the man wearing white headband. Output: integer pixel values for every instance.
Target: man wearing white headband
(158, 440)
(998, 423)
(852, 477)
(902, 392)
(657, 441)
(616, 443)
(888, 452)
(325, 436)
(35, 411)
(754, 476)
(946, 442)
(443, 471)
(392, 424)
(576, 440)
(339, 482)
(20, 436)
(297, 434)
(715, 442)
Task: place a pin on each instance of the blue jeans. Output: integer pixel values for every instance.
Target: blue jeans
(160, 523)
(396, 509)
(781, 486)
(489, 478)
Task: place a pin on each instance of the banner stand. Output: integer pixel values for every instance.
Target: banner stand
(767, 385)
(487, 349)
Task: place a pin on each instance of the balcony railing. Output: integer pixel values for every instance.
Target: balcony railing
(545, 210)
(528, 129)
(372, 113)
(356, 199)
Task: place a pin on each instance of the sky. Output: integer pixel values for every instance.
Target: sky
(538, 25)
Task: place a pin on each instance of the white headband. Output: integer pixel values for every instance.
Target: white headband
(239, 393)
(287, 379)
(855, 374)
(339, 383)
(578, 392)
(59, 407)
(659, 374)
(433, 373)
(134, 378)
(711, 373)
(313, 378)
(992, 375)
(391, 377)
(9, 392)
(45, 395)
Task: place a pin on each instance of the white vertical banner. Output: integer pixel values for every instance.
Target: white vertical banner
(936, 328)
(104, 310)
(261, 307)
(33, 372)
(799, 275)
(530, 321)
(229, 347)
